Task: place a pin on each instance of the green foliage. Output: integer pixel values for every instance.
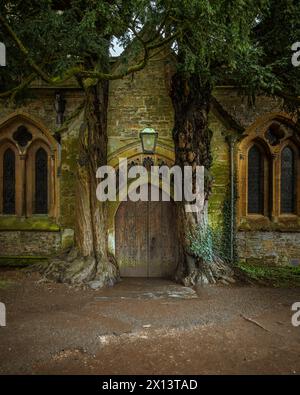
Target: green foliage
(245, 43)
(217, 36)
(201, 243)
(242, 42)
(225, 245)
(277, 276)
(216, 241)
(277, 30)
(62, 35)
(205, 243)
(33, 223)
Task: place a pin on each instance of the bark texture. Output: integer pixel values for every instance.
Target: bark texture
(192, 137)
(89, 261)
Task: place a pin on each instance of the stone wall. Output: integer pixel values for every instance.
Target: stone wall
(27, 237)
(245, 115)
(29, 243)
(238, 106)
(41, 105)
(69, 152)
(139, 101)
(280, 248)
(220, 171)
(135, 102)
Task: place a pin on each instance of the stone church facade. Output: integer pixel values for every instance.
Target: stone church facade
(37, 173)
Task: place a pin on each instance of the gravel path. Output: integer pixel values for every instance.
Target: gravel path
(146, 326)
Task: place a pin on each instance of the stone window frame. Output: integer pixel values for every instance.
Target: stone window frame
(4, 145)
(25, 168)
(272, 219)
(296, 151)
(266, 159)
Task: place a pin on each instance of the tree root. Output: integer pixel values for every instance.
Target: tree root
(208, 273)
(74, 269)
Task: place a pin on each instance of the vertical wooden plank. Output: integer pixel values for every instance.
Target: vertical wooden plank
(162, 238)
(146, 238)
(131, 239)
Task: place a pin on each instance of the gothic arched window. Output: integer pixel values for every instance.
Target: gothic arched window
(255, 181)
(41, 182)
(288, 181)
(28, 168)
(268, 176)
(9, 182)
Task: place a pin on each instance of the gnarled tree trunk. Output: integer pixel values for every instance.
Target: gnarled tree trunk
(192, 137)
(89, 261)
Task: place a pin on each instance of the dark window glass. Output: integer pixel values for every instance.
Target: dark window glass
(255, 181)
(22, 136)
(288, 181)
(9, 182)
(41, 182)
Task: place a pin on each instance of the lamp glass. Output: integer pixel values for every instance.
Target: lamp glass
(149, 138)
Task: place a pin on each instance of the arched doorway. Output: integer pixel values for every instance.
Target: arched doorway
(146, 238)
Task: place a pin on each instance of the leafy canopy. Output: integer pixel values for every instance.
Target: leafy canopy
(242, 42)
(61, 39)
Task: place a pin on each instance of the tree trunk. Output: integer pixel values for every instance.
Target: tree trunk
(89, 261)
(192, 138)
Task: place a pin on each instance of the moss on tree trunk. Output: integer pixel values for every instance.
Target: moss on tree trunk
(89, 261)
(192, 138)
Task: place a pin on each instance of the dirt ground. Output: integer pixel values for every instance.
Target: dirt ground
(146, 327)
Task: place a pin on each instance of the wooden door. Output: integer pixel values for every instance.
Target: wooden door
(146, 239)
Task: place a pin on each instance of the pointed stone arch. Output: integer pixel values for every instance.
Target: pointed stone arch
(272, 132)
(133, 153)
(13, 128)
(19, 118)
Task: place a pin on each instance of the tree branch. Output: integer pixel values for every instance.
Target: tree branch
(164, 42)
(22, 85)
(24, 50)
(78, 71)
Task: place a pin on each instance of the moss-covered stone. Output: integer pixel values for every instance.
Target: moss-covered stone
(67, 239)
(136, 102)
(68, 179)
(33, 223)
(29, 242)
(220, 171)
(287, 276)
(21, 261)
